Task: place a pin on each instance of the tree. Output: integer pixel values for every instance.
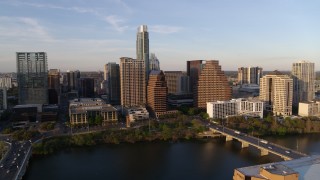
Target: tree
(204, 115)
(98, 120)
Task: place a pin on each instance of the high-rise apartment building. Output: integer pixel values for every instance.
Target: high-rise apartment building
(112, 78)
(212, 84)
(53, 86)
(276, 89)
(157, 92)
(154, 63)
(32, 77)
(303, 82)
(142, 47)
(177, 82)
(249, 75)
(133, 82)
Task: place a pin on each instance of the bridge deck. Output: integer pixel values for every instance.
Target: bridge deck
(257, 142)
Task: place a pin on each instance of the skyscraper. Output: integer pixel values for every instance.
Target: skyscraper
(276, 89)
(142, 47)
(157, 92)
(72, 80)
(249, 75)
(154, 63)
(3, 99)
(133, 82)
(86, 87)
(112, 77)
(53, 85)
(194, 68)
(177, 82)
(212, 85)
(32, 77)
(303, 81)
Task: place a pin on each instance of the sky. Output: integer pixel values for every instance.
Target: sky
(86, 34)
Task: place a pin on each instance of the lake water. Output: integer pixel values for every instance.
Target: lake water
(209, 159)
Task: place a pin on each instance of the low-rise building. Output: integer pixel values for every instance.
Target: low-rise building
(83, 109)
(309, 108)
(306, 168)
(136, 113)
(245, 107)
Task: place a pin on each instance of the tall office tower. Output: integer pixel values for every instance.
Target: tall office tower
(133, 82)
(112, 77)
(32, 77)
(249, 75)
(276, 89)
(54, 86)
(303, 82)
(86, 88)
(177, 82)
(6, 82)
(157, 92)
(72, 80)
(3, 98)
(194, 68)
(212, 85)
(105, 71)
(142, 46)
(154, 63)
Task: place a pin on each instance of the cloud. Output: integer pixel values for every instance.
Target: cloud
(23, 27)
(162, 29)
(116, 22)
(113, 20)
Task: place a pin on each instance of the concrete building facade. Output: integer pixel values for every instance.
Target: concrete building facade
(235, 107)
(310, 108)
(303, 82)
(6, 82)
(83, 109)
(276, 89)
(249, 75)
(133, 82)
(32, 77)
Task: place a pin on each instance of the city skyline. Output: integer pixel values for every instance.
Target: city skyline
(85, 36)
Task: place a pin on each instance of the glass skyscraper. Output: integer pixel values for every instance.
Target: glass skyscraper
(143, 47)
(32, 77)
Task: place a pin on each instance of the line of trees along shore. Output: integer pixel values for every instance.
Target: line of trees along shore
(179, 128)
(273, 126)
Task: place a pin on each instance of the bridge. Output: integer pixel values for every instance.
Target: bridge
(264, 146)
(14, 163)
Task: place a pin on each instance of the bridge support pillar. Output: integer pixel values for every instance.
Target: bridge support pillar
(244, 144)
(264, 152)
(228, 138)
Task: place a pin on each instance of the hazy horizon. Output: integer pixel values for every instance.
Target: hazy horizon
(84, 35)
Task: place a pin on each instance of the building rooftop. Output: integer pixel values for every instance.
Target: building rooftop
(276, 72)
(307, 167)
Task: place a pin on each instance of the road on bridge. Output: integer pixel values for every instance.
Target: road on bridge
(258, 142)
